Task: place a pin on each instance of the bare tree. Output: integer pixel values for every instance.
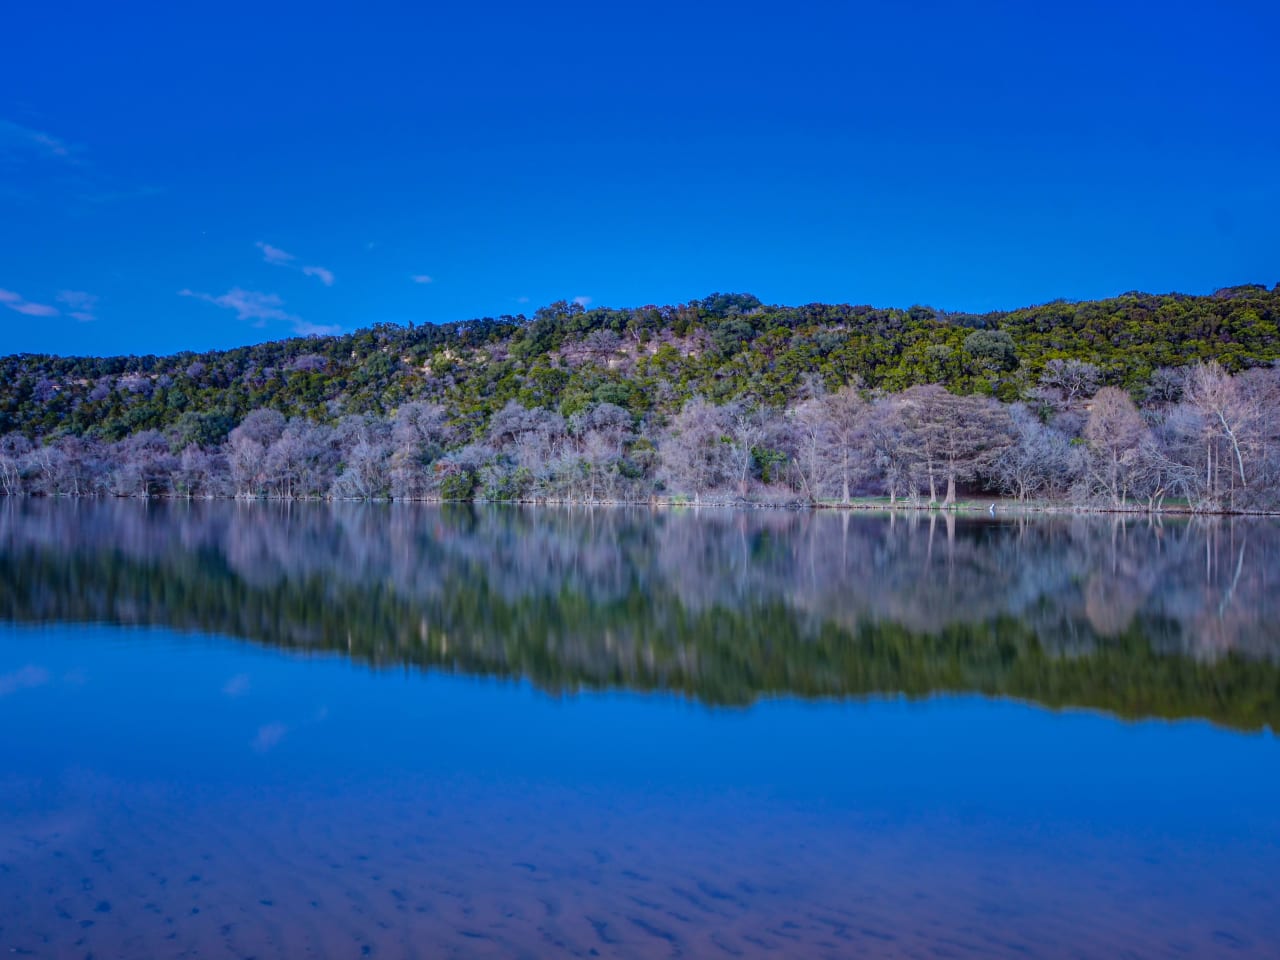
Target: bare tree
(365, 442)
(600, 434)
(957, 436)
(749, 427)
(140, 465)
(303, 461)
(828, 439)
(847, 415)
(14, 451)
(810, 443)
(893, 450)
(420, 434)
(694, 453)
(247, 450)
(1232, 418)
(1116, 435)
(1040, 459)
(1072, 379)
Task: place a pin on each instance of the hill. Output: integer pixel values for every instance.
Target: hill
(645, 359)
(1129, 403)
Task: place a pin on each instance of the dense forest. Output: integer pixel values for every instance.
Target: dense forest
(1135, 402)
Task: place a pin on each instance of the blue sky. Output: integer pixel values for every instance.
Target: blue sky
(178, 177)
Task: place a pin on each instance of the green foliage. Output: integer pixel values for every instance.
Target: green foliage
(652, 359)
(503, 483)
(993, 349)
(769, 462)
(458, 485)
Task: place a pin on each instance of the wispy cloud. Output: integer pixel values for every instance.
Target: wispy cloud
(582, 301)
(261, 308)
(28, 308)
(306, 329)
(82, 306)
(275, 255)
(283, 258)
(248, 304)
(320, 273)
(421, 278)
(17, 139)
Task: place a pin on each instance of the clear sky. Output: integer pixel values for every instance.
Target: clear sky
(192, 176)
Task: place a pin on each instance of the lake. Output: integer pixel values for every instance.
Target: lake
(254, 730)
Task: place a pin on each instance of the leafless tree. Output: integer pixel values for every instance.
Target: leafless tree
(1117, 438)
(1039, 460)
(420, 434)
(749, 427)
(247, 450)
(366, 450)
(1232, 418)
(695, 451)
(1072, 379)
(14, 452)
(893, 450)
(956, 436)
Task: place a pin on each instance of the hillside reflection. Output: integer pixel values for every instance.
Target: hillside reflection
(1134, 617)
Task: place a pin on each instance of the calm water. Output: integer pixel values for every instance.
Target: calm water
(249, 731)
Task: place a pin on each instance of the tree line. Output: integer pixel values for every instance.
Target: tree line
(1200, 438)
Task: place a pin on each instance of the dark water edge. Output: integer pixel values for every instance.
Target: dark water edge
(1139, 618)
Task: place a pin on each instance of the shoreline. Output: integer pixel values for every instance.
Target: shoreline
(969, 508)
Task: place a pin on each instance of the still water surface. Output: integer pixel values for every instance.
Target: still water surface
(247, 731)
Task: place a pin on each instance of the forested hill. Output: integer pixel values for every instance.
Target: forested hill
(647, 360)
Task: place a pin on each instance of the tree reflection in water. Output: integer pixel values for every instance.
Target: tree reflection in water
(1136, 617)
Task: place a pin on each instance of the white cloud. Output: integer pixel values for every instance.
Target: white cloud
(421, 278)
(262, 308)
(248, 304)
(582, 301)
(283, 258)
(522, 299)
(305, 329)
(19, 304)
(320, 273)
(82, 305)
(272, 254)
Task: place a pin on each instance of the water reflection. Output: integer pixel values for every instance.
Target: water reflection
(1131, 616)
